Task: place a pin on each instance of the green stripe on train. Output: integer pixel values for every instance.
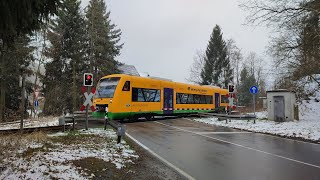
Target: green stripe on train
(131, 114)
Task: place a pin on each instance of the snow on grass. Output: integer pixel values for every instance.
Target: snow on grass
(53, 159)
(308, 127)
(35, 122)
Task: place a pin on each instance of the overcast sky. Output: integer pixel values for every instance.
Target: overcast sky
(161, 37)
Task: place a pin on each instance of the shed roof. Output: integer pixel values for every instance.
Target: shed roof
(281, 90)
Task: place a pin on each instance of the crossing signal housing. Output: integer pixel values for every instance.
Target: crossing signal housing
(87, 79)
(231, 88)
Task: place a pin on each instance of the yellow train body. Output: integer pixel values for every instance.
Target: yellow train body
(125, 96)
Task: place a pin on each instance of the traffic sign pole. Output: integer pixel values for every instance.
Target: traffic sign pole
(254, 104)
(254, 90)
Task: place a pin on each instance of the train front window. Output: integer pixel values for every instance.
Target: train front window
(107, 87)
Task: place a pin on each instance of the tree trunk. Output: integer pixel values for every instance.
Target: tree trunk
(2, 87)
(22, 106)
(2, 101)
(74, 87)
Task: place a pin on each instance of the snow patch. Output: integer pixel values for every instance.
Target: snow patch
(55, 161)
(28, 123)
(308, 127)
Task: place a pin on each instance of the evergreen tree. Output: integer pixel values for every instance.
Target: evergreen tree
(17, 61)
(247, 79)
(18, 18)
(68, 54)
(103, 39)
(216, 68)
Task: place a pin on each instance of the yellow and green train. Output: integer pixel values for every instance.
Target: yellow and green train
(124, 96)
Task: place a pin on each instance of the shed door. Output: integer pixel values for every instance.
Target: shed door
(279, 110)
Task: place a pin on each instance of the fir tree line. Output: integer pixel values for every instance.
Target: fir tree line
(18, 20)
(223, 63)
(79, 42)
(74, 42)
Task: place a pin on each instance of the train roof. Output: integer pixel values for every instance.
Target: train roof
(162, 79)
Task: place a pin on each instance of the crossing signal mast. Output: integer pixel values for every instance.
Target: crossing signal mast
(231, 91)
(231, 88)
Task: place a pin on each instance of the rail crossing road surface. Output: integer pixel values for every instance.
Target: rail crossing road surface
(201, 151)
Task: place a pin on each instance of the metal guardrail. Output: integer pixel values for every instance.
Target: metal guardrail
(231, 116)
(81, 116)
(33, 129)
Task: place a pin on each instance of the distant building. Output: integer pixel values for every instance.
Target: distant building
(129, 69)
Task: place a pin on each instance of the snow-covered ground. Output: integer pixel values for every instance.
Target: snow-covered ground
(308, 127)
(52, 159)
(34, 122)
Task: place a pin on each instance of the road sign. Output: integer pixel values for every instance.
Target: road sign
(88, 98)
(36, 103)
(254, 90)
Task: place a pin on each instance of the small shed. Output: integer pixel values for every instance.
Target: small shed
(281, 105)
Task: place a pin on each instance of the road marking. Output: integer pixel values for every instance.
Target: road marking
(161, 158)
(239, 145)
(260, 133)
(224, 132)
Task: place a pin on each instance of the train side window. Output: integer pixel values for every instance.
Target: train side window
(202, 99)
(184, 98)
(190, 99)
(126, 86)
(196, 99)
(178, 98)
(145, 95)
(209, 99)
(141, 97)
(134, 94)
(157, 98)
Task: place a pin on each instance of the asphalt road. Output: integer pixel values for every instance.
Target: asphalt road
(201, 151)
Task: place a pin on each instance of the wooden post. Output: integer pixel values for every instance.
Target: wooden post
(22, 102)
(105, 124)
(73, 121)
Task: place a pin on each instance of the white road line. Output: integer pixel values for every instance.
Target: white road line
(239, 145)
(224, 132)
(275, 136)
(161, 158)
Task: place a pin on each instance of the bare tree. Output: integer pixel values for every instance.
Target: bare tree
(196, 67)
(235, 55)
(296, 47)
(255, 65)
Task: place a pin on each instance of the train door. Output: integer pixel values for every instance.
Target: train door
(217, 100)
(168, 101)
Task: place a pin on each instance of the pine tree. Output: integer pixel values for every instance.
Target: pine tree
(103, 39)
(67, 37)
(16, 61)
(18, 18)
(217, 68)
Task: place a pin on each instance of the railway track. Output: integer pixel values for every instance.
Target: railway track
(33, 129)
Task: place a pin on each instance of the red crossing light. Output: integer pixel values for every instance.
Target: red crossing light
(87, 79)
